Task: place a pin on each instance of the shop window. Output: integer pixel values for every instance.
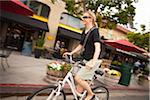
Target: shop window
(64, 19)
(38, 8)
(71, 21)
(74, 22)
(35, 7)
(115, 57)
(45, 11)
(24, 1)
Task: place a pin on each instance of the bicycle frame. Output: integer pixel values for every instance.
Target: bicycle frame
(57, 89)
(70, 80)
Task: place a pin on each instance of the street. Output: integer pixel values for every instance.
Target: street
(125, 95)
(114, 95)
(129, 95)
(16, 80)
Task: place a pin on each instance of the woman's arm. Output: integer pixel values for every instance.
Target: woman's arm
(97, 51)
(78, 48)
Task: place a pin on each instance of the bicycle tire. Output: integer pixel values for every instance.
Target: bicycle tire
(44, 92)
(101, 93)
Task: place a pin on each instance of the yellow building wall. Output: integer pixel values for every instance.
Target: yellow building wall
(114, 34)
(56, 10)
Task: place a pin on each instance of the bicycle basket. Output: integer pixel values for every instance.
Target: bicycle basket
(58, 68)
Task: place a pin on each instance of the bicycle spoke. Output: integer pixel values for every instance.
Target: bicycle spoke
(43, 94)
(101, 93)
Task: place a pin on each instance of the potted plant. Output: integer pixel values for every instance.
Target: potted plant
(39, 46)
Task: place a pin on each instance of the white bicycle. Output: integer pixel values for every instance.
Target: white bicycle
(55, 92)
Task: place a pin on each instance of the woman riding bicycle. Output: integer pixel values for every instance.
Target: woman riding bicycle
(90, 54)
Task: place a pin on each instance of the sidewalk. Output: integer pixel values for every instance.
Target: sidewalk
(28, 73)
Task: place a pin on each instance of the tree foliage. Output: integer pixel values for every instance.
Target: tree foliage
(141, 40)
(143, 27)
(113, 11)
(73, 8)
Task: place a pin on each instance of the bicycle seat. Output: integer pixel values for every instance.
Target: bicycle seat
(99, 72)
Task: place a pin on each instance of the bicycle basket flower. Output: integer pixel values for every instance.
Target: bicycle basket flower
(58, 69)
(59, 66)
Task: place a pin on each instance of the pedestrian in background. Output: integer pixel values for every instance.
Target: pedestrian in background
(62, 48)
(137, 65)
(62, 45)
(57, 46)
(57, 50)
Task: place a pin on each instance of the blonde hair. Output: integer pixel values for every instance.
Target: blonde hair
(93, 16)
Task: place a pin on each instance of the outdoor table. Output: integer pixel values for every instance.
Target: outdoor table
(50, 52)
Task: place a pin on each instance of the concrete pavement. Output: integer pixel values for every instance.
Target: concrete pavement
(28, 73)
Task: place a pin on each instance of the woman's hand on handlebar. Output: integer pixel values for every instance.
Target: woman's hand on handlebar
(90, 64)
(67, 53)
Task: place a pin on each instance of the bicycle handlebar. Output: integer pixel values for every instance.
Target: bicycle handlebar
(80, 64)
(69, 59)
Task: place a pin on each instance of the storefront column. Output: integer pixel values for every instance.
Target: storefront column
(54, 18)
(4, 28)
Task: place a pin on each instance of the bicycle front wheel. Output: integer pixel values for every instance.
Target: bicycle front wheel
(43, 94)
(101, 93)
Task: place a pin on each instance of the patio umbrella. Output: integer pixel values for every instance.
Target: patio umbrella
(125, 45)
(15, 6)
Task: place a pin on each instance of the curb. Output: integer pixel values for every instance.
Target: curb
(22, 85)
(130, 89)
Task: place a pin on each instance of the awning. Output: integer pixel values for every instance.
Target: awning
(15, 6)
(70, 28)
(141, 56)
(24, 20)
(125, 45)
(68, 33)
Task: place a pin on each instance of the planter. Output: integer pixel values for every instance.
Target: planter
(38, 52)
(58, 69)
(56, 73)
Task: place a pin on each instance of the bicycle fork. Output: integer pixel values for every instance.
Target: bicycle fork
(55, 93)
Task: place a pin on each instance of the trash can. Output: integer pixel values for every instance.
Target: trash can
(125, 74)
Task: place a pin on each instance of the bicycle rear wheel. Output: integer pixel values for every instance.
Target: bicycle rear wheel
(43, 93)
(101, 93)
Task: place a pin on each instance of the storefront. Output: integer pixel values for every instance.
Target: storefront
(69, 31)
(71, 36)
(17, 25)
(122, 52)
(118, 62)
(20, 27)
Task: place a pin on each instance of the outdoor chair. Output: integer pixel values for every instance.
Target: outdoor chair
(4, 54)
